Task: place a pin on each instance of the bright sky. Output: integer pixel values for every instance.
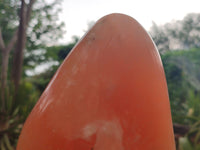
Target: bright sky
(77, 13)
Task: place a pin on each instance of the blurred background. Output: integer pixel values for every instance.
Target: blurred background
(37, 35)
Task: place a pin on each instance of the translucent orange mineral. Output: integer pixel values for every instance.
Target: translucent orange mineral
(110, 93)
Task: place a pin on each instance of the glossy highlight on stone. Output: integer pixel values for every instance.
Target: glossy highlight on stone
(110, 93)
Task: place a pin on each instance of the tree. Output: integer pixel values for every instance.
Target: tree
(179, 34)
(23, 26)
(160, 37)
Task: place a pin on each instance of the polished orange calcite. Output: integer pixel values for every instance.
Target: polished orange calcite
(110, 93)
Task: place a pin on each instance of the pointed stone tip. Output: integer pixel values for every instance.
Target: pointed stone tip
(118, 16)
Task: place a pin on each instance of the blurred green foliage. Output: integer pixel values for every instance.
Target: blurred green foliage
(18, 108)
(183, 79)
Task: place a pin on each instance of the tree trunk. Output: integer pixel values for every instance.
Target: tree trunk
(5, 52)
(4, 70)
(19, 51)
(25, 15)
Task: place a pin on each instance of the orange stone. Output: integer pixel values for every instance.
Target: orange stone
(110, 93)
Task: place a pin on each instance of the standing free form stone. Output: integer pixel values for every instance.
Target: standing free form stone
(110, 93)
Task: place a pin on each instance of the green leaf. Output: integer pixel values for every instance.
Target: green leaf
(7, 142)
